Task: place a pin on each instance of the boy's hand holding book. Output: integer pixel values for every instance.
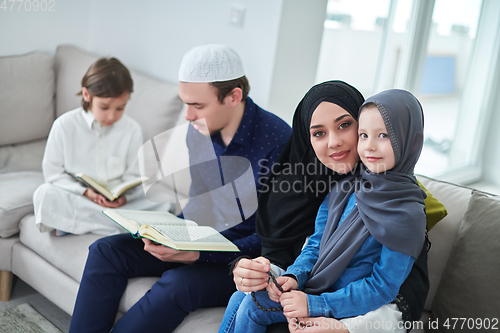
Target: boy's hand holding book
(102, 201)
(111, 194)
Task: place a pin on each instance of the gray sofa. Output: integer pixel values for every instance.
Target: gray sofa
(35, 88)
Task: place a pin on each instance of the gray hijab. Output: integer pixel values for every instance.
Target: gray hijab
(390, 206)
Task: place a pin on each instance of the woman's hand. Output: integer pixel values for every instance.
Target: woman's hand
(316, 325)
(286, 283)
(251, 274)
(164, 253)
(102, 201)
(294, 304)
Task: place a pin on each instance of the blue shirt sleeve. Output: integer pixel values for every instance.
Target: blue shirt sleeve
(304, 263)
(367, 294)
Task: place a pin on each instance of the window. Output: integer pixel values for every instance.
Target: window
(443, 79)
(440, 50)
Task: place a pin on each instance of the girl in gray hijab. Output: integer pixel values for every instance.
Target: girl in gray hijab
(368, 233)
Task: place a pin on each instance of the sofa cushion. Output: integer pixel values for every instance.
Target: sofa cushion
(206, 320)
(154, 104)
(71, 64)
(470, 287)
(442, 235)
(16, 198)
(27, 87)
(22, 157)
(68, 253)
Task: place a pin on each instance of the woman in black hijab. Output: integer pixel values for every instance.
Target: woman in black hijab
(286, 218)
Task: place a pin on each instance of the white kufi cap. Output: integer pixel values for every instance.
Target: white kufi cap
(210, 63)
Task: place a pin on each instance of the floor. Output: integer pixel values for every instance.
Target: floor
(23, 293)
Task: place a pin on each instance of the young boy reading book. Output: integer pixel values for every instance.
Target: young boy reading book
(96, 139)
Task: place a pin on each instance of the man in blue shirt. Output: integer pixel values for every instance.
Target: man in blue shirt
(215, 90)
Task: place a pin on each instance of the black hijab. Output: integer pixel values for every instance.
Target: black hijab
(389, 205)
(299, 182)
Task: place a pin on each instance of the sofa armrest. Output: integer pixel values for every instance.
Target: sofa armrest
(16, 198)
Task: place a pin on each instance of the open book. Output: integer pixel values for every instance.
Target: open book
(167, 229)
(111, 193)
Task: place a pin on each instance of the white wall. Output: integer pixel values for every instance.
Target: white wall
(25, 31)
(296, 62)
(151, 36)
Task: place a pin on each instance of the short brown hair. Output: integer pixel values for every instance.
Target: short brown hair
(107, 77)
(225, 87)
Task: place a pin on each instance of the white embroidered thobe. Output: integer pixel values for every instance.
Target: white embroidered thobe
(77, 143)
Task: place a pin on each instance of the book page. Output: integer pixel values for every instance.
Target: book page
(121, 188)
(191, 238)
(128, 224)
(169, 230)
(95, 185)
(190, 234)
(153, 218)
